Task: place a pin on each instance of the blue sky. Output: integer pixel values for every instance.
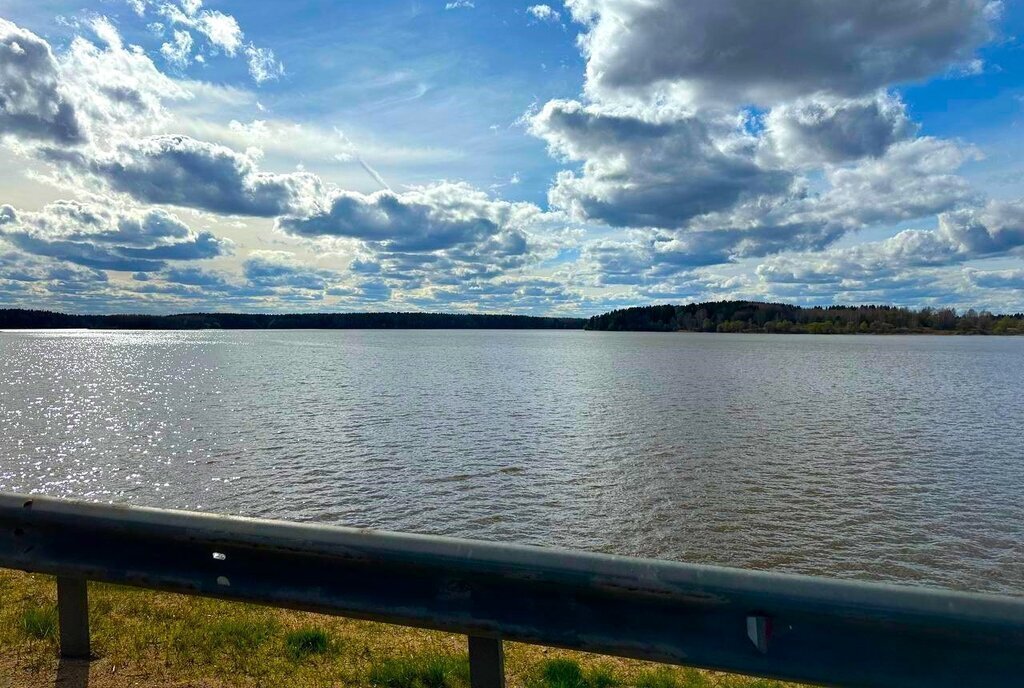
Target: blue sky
(170, 155)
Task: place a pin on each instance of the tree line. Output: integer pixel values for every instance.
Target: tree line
(753, 316)
(714, 316)
(32, 319)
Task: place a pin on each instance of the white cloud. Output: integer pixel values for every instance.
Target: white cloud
(543, 13)
(996, 228)
(222, 30)
(678, 156)
(223, 34)
(117, 89)
(178, 52)
(138, 6)
(263, 65)
(107, 237)
(666, 144)
(459, 5)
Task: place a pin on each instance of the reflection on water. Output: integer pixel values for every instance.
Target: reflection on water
(894, 458)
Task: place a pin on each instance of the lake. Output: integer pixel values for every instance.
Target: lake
(885, 458)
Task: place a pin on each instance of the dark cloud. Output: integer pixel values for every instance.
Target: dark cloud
(752, 51)
(643, 173)
(107, 238)
(282, 275)
(385, 217)
(440, 235)
(33, 100)
(280, 269)
(425, 219)
(814, 131)
(181, 171)
(15, 266)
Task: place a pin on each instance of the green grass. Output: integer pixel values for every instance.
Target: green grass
(303, 642)
(423, 671)
(567, 673)
(665, 677)
(239, 635)
(40, 622)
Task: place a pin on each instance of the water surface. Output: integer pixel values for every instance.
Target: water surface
(886, 458)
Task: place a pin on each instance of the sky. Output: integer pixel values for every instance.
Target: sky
(165, 156)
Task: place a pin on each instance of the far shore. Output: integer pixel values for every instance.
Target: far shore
(727, 317)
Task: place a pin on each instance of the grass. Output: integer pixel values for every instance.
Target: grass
(431, 670)
(567, 673)
(142, 638)
(40, 622)
(303, 642)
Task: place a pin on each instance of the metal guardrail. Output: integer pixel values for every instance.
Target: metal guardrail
(773, 625)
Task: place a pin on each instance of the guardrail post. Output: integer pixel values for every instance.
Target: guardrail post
(486, 662)
(73, 617)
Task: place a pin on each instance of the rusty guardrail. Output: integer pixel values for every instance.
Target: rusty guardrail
(774, 625)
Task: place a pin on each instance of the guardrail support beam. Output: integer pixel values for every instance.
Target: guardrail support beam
(73, 617)
(486, 662)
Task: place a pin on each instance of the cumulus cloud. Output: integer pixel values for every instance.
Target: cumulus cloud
(819, 130)
(34, 102)
(639, 172)
(913, 179)
(441, 216)
(996, 228)
(543, 13)
(179, 50)
(221, 30)
(283, 275)
(700, 139)
(105, 237)
(997, 279)
(181, 171)
(506, 295)
(89, 89)
(775, 51)
(699, 194)
(282, 269)
(116, 87)
(38, 282)
(16, 266)
(438, 238)
(669, 147)
(222, 34)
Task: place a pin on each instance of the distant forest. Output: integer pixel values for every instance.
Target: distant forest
(715, 316)
(26, 319)
(752, 316)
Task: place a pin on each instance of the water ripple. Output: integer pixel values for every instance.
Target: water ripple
(894, 458)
